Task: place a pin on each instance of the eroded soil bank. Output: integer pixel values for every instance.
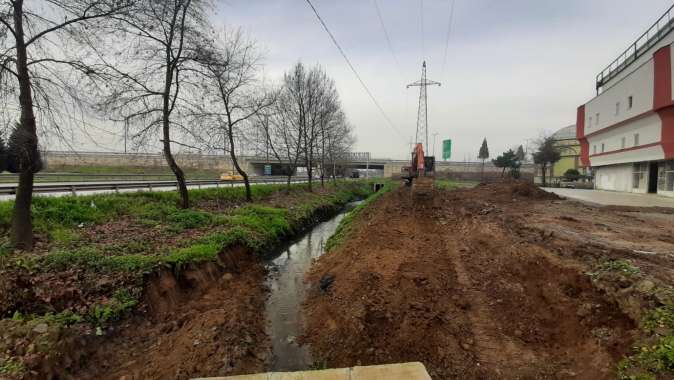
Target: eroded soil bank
(189, 303)
(501, 281)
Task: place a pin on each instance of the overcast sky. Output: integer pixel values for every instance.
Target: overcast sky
(514, 68)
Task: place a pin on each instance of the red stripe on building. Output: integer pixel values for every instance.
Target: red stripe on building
(580, 134)
(662, 98)
(626, 149)
(662, 88)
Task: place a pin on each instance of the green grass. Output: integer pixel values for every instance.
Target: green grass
(450, 184)
(653, 357)
(120, 303)
(10, 367)
(624, 267)
(253, 225)
(651, 360)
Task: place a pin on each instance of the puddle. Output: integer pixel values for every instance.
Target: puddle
(287, 292)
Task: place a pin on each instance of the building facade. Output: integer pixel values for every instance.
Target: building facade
(626, 132)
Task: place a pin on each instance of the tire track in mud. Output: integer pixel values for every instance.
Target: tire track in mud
(444, 283)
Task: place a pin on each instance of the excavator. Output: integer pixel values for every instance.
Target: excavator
(419, 175)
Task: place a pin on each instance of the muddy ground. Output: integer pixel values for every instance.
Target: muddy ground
(501, 281)
(207, 322)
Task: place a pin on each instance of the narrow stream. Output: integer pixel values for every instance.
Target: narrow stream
(287, 292)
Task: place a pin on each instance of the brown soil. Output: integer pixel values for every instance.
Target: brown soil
(481, 283)
(204, 323)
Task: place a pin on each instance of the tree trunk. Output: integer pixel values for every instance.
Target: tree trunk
(180, 175)
(290, 176)
(544, 167)
(166, 125)
(309, 173)
(242, 173)
(482, 173)
(22, 224)
(322, 157)
(166, 129)
(334, 173)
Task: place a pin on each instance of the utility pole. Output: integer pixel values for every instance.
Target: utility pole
(422, 116)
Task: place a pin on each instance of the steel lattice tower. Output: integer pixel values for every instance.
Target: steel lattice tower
(422, 117)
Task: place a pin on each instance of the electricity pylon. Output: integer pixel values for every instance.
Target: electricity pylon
(422, 117)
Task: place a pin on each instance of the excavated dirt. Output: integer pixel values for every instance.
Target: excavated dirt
(483, 283)
(204, 323)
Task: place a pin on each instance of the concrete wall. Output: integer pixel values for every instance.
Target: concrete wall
(649, 129)
(638, 84)
(192, 161)
(614, 177)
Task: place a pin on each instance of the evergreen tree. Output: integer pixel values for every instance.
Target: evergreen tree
(484, 154)
(21, 153)
(547, 154)
(508, 160)
(520, 153)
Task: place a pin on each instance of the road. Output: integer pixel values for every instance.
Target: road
(614, 198)
(57, 189)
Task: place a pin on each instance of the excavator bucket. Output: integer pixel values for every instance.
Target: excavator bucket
(422, 187)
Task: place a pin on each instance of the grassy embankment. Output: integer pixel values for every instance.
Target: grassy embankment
(89, 248)
(653, 354)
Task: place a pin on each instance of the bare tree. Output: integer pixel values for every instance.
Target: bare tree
(152, 59)
(309, 100)
(232, 95)
(282, 133)
(338, 141)
(34, 70)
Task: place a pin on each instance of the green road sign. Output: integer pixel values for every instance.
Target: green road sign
(446, 149)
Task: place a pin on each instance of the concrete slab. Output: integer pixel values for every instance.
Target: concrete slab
(614, 198)
(407, 371)
(400, 371)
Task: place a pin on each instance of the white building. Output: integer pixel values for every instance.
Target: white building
(627, 131)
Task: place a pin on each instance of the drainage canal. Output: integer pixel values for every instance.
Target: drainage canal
(287, 292)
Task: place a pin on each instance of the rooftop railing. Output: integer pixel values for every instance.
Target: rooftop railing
(653, 35)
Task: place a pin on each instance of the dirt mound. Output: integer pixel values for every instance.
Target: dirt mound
(203, 323)
(429, 283)
(506, 190)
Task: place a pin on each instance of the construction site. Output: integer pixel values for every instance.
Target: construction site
(239, 235)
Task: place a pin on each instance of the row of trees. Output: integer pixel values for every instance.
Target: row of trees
(160, 69)
(546, 154)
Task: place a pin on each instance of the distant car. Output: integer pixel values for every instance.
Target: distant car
(231, 177)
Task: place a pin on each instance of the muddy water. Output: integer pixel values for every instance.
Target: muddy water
(287, 292)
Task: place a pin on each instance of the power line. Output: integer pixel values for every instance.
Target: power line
(355, 72)
(388, 38)
(449, 32)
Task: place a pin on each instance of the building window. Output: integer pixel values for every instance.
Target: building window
(629, 102)
(622, 143)
(590, 123)
(638, 174)
(596, 121)
(617, 108)
(666, 176)
(636, 139)
(602, 147)
(594, 149)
